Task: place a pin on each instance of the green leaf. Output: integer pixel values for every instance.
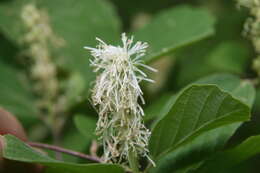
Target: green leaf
(198, 108)
(192, 62)
(17, 150)
(175, 28)
(241, 89)
(230, 57)
(190, 155)
(227, 82)
(85, 168)
(15, 96)
(224, 160)
(86, 126)
(14, 149)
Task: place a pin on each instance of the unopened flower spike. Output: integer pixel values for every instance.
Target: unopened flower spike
(116, 95)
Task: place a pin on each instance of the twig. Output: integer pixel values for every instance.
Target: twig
(66, 151)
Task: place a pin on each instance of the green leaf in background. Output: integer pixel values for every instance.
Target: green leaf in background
(222, 161)
(74, 87)
(160, 107)
(197, 109)
(86, 126)
(193, 61)
(74, 140)
(8, 50)
(175, 28)
(229, 57)
(15, 96)
(16, 150)
(77, 22)
(256, 107)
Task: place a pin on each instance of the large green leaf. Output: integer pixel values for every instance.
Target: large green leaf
(197, 109)
(223, 161)
(15, 96)
(241, 89)
(16, 150)
(190, 155)
(175, 28)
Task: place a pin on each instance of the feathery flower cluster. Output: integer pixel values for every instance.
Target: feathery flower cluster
(116, 94)
(38, 39)
(252, 28)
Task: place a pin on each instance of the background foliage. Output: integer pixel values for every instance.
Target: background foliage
(203, 109)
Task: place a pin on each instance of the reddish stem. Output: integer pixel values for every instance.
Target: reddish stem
(66, 151)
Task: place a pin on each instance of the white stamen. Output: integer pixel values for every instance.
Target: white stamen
(116, 93)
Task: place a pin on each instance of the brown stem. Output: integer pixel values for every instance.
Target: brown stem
(66, 151)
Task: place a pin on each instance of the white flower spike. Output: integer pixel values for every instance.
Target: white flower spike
(116, 94)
